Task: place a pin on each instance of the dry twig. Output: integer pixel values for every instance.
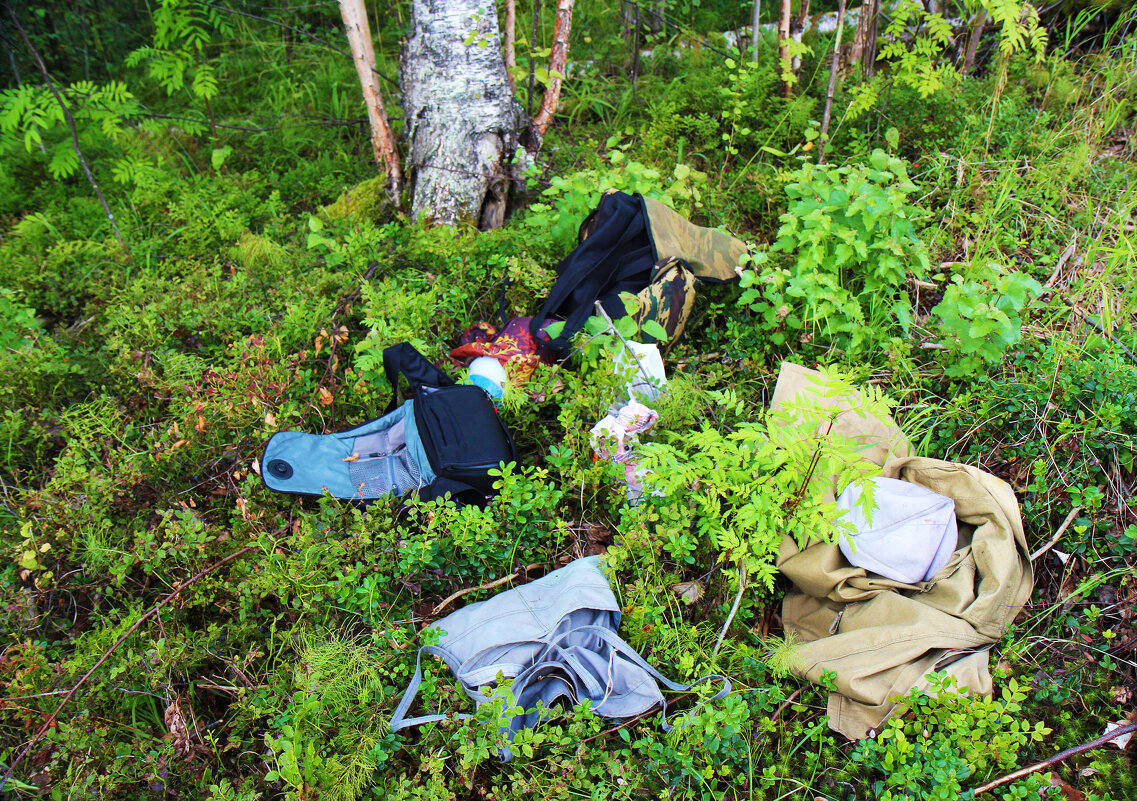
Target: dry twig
(74, 134)
(1054, 760)
(488, 586)
(1058, 534)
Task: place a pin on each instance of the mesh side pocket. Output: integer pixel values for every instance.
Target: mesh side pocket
(370, 477)
(407, 474)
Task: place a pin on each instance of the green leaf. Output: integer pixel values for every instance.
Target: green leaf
(654, 330)
(218, 157)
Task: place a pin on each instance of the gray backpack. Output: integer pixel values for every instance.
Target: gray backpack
(556, 638)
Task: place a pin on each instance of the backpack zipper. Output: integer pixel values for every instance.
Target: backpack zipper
(466, 466)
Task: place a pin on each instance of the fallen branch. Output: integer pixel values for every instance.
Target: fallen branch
(488, 586)
(1054, 760)
(1058, 534)
(107, 654)
(781, 709)
(626, 723)
(733, 609)
(1057, 273)
(635, 357)
(1090, 321)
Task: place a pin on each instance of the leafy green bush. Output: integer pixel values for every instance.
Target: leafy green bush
(731, 498)
(568, 200)
(849, 242)
(949, 738)
(981, 320)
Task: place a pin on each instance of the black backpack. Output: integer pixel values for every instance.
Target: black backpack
(614, 255)
(445, 439)
(634, 244)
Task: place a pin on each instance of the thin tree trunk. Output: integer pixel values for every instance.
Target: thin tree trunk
(287, 38)
(863, 49)
(462, 122)
(833, 67)
(363, 54)
(510, 40)
(976, 31)
(208, 105)
(655, 15)
(532, 60)
(71, 125)
(628, 11)
(636, 51)
(558, 63)
(784, 44)
(868, 55)
(756, 28)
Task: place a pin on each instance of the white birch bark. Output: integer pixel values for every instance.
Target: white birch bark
(461, 119)
(755, 29)
(783, 43)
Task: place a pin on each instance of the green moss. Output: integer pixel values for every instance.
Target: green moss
(366, 201)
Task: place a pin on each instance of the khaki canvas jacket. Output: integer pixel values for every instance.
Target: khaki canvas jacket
(882, 637)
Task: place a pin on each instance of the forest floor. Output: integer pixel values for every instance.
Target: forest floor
(228, 642)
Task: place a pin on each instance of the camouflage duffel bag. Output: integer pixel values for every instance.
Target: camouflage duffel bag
(667, 300)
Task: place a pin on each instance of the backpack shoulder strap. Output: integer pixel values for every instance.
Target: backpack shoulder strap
(617, 644)
(403, 359)
(399, 719)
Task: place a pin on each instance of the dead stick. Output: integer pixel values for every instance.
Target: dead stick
(1058, 534)
(134, 627)
(612, 327)
(786, 703)
(1065, 257)
(495, 583)
(74, 133)
(833, 66)
(558, 65)
(1061, 755)
(628, 722)
(733, 609)
(1090, 321)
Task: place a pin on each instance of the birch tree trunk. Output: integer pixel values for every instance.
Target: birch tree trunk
(755, 29)
(363, 54)
(511, 40)
(784, 44)
(461, 119)
(797, 31)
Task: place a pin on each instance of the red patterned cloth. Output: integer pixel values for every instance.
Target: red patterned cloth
(513, 346)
